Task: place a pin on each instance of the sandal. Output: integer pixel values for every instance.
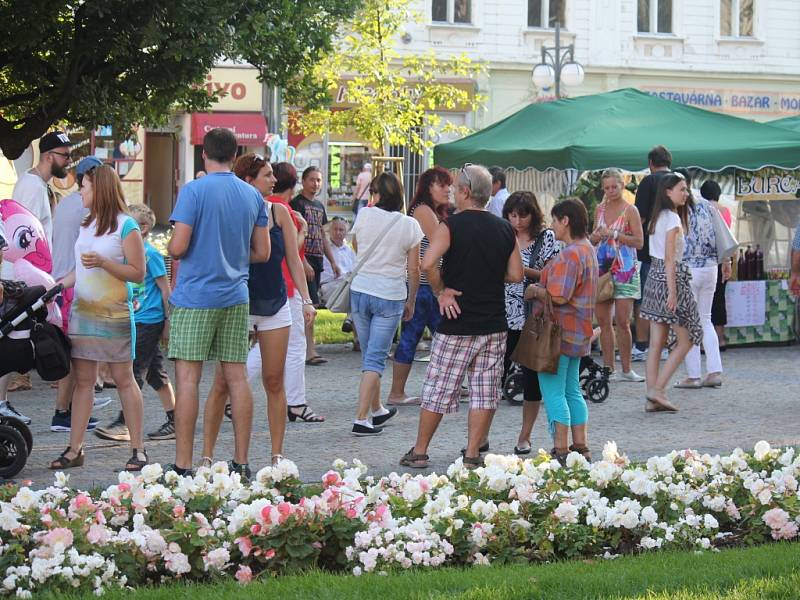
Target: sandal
(137, 460)
(307, 416)
(522, 451)
(657, 402)
(316, 361)
(414, 460)
(583, 451)
(206, 462)
(406, 401)
(561, 457)
(481, 450)
(62, 462)
(472, 462)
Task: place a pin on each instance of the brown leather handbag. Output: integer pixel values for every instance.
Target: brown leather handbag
(539, 345)
(605, 288)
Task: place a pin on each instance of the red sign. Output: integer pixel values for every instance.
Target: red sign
(250, 129)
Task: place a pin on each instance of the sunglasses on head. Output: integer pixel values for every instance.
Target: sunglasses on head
(466, 174)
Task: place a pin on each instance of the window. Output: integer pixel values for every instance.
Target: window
(736, 18)
(654, 16)
(451, 11)
(545, 13)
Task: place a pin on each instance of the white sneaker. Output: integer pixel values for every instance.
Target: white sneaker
(101, 402)
(631, 376)
(6, 410)
(638, 355)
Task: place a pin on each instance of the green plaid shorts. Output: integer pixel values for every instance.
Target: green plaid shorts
(209, 333)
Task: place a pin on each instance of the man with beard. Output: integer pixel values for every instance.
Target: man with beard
(32, 192)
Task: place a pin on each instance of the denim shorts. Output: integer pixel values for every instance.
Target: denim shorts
(376, 322)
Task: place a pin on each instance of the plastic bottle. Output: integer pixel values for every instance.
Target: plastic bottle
(759, 263)
(741, 267)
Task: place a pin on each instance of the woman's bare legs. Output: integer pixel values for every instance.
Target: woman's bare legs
(82, 401)
(213, 412)
(273, 344)
(131, 397)
(530, 410)
(603, 313)
(623, 308)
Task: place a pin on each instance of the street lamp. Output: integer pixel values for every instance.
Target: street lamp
(558, 66)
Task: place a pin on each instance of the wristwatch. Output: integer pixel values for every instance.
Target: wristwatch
(308, 302)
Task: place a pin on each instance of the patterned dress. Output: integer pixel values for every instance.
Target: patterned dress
(516, 309)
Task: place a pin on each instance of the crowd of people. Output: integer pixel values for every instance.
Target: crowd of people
(254, 261)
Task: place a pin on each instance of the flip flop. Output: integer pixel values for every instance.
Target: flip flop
(316, 361)
(408, 401)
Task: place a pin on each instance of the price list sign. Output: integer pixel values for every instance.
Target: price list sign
(746, 303)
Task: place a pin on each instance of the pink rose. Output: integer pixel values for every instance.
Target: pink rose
(255, 529)
(787, 532)
(269, 554)
(350, 513)
(244, 574)
(266, 514)
(245, 545)
(178, 511)
(59, 535)
(331, 478)
(776, 518)
(97, 535)
(124, 487)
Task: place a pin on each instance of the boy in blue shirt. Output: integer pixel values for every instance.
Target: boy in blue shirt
(150, 305)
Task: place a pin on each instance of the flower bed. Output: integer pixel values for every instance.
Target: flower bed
(156, 527)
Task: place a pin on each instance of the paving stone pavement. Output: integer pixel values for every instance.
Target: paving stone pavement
(760, 399)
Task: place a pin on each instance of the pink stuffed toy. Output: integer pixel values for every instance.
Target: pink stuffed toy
(28, 250)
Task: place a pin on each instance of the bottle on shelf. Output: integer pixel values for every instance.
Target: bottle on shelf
(750, 263)
(741, 267)
(759, 263)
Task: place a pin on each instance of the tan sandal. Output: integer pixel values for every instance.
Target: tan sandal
(414, 460)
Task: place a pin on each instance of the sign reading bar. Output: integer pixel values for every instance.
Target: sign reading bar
(746, 303)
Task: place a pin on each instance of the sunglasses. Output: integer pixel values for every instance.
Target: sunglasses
(62, 154)
(464, 171)
(259, 157)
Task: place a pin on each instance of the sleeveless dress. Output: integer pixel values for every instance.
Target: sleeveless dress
(618, 258)
(101, 326)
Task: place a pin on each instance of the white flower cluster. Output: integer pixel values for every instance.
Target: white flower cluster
(159, 526)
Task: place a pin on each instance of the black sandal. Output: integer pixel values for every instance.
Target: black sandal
(135, 462)
(414, 460)
(561, 457)
(472, 462)
(582, 450)
(307, 416)
(62, 462)
(482, 449)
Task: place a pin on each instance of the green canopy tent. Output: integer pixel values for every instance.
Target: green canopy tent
(792, 123)
(618, 129)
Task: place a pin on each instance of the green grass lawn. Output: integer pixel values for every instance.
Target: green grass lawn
(768, 572)
(328, 328)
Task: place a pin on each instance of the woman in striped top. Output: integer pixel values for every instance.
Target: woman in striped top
(429, 208)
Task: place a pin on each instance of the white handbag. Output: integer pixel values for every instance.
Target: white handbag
(723, 238)
(339, 302)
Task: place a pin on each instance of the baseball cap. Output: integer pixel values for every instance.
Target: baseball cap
(88, 163)
(53, 140)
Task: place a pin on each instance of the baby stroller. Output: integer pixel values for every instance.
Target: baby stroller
(27, 341)
(594, 380)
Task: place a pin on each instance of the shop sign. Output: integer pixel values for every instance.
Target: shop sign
(766, 184)
(238, 88)
(250, 129)
(734, 101)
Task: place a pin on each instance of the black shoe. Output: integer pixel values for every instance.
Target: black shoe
(364, 431)
(241, 469)
(347, 325)
(229, 412)
(165, 432)
(182, 472)
(482, 449)
(381, 419)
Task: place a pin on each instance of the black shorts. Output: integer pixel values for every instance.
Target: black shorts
(313, 285)
(149, 362)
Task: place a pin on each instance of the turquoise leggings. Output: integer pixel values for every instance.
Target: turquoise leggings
(562, 395)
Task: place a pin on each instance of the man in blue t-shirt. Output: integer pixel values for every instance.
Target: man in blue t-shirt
(151, 307)
(221, 225)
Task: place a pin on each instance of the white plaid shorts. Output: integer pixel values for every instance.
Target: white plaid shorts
(480, 357)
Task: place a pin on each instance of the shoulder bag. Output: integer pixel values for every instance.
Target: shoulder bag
(339, 302)
(539, 345)
(723, 238)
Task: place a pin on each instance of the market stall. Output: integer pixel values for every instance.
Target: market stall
(544, 148)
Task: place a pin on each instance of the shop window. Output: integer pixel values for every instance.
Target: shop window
(451, 11)
(545, 13)
(345, 160)
(736, 18)
(654, 16)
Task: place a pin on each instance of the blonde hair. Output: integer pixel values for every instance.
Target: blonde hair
(616, 174)
(142, 212)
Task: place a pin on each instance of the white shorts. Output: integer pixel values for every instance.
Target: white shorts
(282, 318)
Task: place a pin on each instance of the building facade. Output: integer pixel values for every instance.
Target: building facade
(734, 56)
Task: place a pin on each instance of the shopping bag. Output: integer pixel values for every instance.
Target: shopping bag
(539, 345)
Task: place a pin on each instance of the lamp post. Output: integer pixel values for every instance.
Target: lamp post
(558, 65)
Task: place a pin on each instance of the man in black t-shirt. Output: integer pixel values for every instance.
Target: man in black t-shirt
(316, 246)
(480, 254)
(659, 160)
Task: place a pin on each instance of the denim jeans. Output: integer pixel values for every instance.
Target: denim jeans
(376, 321)
(426, 314)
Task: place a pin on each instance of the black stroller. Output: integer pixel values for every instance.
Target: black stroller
(46, 349)
(593, 378)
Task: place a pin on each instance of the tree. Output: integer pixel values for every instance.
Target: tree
(393, 96)
(120, 62)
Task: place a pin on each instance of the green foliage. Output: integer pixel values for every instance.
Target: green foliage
(122, 62)
(393, 96)
(590, 189)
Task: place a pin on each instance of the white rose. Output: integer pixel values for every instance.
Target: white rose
(761, 450)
